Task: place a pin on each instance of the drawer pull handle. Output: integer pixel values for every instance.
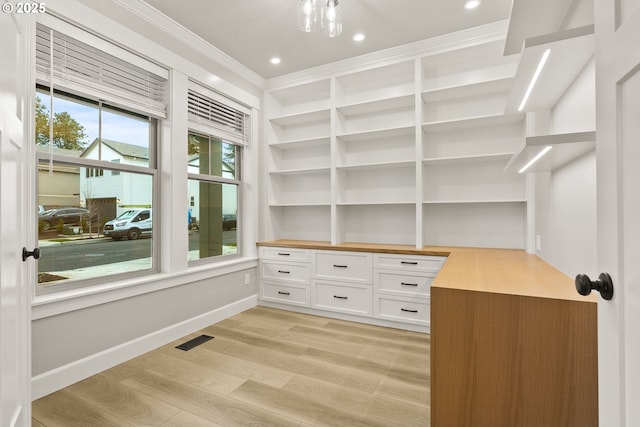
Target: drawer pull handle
(408, 311)
(409, 262)
(339, 297)
(283, 254)
(284, 272)
(408, 284)
(340, 266)
(284, 293)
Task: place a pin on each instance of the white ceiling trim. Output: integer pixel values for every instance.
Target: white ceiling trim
(431, 46)
(195, 42)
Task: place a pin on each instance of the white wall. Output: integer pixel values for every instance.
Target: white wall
(70, 345)
(565, 199)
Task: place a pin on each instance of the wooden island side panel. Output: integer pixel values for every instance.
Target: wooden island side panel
(511, 360)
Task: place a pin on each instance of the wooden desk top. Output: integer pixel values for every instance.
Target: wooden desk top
(503, 271)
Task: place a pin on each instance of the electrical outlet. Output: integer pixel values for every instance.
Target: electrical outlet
(247, 279)
(538, 243)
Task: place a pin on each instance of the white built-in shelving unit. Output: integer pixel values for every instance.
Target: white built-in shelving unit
(410, 150)
(565, 29)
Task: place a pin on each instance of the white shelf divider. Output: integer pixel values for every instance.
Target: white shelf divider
(301, 117)
(380, 165)
(301, 171)
(377, 133)
(377, 105)
(472, 122)
(565, 147)
(471, 158)
(570, 50)
(300, 143)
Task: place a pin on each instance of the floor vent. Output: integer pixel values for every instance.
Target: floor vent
(194, 342)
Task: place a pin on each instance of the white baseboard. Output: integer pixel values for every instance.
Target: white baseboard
(56, 379)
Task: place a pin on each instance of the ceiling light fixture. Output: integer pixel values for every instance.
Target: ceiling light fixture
(308, 15)
(358, 37)
(323, 14)
(275, 60)
(471, 4)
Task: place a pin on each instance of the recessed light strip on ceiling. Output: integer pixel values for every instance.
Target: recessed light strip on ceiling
(535, 159)
(532, 83)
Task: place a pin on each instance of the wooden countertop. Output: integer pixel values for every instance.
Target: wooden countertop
(503, 271)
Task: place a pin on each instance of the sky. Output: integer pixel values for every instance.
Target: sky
(116, 127)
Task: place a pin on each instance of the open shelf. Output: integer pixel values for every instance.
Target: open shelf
(390, 183)
(300, 171)
(532, 18)
(293, 204)
(290, 101)
(301, 222)
(472, 122)
(570, 50)
(490, 225)
(480, 180)
(301, 143)
(379, 165)
(303, 117)
(565, 147)
(467, 90)
(378, 133)
(461, 159)
(471, 201)
(380, 223)
(377, 105)
(375, 84)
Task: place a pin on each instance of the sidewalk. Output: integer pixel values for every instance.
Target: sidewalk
(61, 239)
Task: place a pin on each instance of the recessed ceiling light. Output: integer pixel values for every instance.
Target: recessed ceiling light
(358, 37)
(275, 60)
(471, 4)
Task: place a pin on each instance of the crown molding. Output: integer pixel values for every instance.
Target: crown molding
(156, 18)
(460, 39)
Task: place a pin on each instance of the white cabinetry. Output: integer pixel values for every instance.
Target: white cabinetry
(342, 282)
(402, 286)
(285, 276)
(389, 151)
(388, 289)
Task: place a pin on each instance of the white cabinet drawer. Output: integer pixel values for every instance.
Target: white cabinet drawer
(286, 294)
(398, 283)
(285, 254)
(285, 272)
(347, 266)
(345, 298)
(401, 309)
(408, 262)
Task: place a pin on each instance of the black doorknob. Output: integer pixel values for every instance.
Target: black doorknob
(34, 253)
(604, 285)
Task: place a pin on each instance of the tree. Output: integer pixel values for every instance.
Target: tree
(67, 132)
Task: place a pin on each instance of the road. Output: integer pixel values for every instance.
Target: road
(88, 253)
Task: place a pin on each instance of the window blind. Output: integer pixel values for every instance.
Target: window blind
(217, 118)
(79, 68)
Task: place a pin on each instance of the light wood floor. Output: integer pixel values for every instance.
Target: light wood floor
(265, 367)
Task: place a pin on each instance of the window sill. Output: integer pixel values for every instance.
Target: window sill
(44, 306)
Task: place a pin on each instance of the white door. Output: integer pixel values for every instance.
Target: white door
(617, 26)
(15, 337)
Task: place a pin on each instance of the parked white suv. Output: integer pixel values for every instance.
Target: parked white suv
(131, 224)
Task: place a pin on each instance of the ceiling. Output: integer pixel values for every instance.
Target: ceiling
(253, 31)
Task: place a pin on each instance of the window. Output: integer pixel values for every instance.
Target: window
(213, 194)
(218, 133)
(95, 135)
